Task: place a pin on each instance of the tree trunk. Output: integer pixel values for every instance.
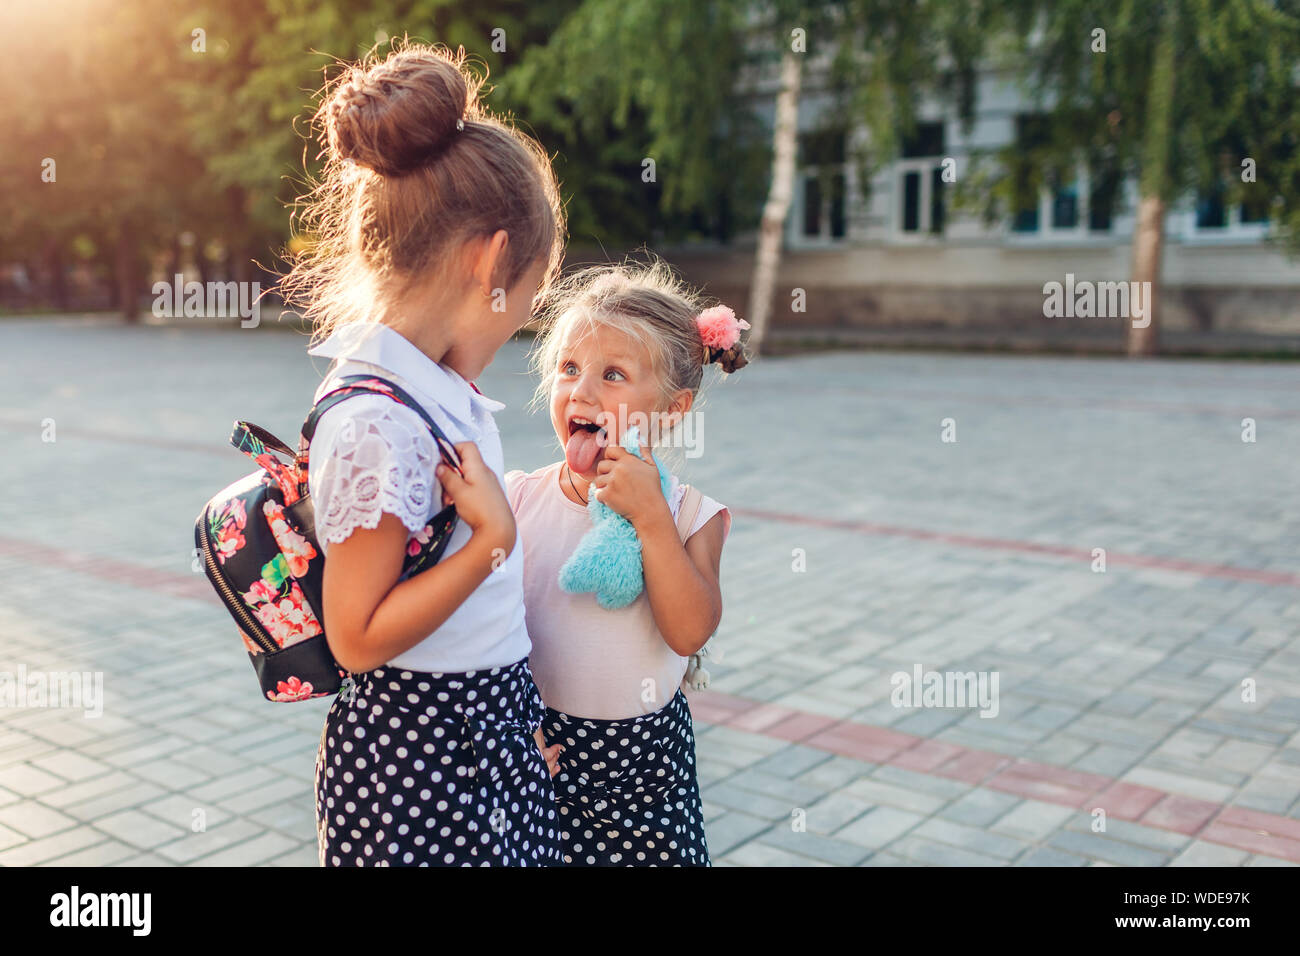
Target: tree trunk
(241, 266)
(1148, 242)
(56, 279)
(767, 261)
(1153, 188)
(126, 275)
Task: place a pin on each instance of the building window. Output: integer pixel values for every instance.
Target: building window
(1210, 211)
(1214, 215)
(925, 140)
(1071, 201)
(1025, 219)
(1026, 176)
(911, 201)
(1105, 184)
(936, 200)
(812, 206)
(921, 209)
(823, 186)
(1254, 212)
(1065, 204)
(838, 197)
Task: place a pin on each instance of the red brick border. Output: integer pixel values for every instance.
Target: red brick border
(1237, 827)
(1083, 555)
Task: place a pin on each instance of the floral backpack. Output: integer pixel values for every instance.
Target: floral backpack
(257, 539)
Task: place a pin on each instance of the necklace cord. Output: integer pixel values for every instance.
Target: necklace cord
(572, 485)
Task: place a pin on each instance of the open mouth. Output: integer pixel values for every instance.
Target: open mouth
(578, 423)
(586, 444)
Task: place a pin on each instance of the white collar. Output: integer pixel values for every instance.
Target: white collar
(378, 344)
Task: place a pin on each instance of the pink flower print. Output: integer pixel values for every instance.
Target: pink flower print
(288, 619)
(228, 542)
(290, 690)
(260, 593)
(419, 540)
(226, 527)
(298, 551)
(284, 477)
(298, 563)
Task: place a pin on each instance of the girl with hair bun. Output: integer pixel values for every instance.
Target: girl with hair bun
(434, 225)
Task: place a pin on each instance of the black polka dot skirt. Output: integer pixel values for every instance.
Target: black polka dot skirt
(626, 791)
(421, 769)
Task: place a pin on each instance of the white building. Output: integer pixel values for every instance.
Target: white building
(899, 260)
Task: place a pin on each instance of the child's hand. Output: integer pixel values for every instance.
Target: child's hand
(550, 754)
(630, 485)
(479, 499)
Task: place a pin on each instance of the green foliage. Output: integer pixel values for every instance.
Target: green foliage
(620, 82)
(1185, 90)
(250, 98)
(153, 137)
(109, 120)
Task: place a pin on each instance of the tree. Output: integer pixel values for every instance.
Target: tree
(165, 118)
(95, 164)
(771, 229)
(250, 98)
(638, 101)
(608, 99)
(1175, 94)
(880, 57)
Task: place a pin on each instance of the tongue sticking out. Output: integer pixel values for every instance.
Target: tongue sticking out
(583, 451)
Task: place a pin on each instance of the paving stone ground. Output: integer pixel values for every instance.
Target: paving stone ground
(1164, 690)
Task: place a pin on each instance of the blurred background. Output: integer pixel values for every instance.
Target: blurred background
(904, 172)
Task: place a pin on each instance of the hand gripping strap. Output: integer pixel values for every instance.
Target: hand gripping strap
(351, 386)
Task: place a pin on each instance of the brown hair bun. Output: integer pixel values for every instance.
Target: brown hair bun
(404, 188)
(402, 113)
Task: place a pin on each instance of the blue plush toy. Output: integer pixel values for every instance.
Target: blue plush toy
(608, 558)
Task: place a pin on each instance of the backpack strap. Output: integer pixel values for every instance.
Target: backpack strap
(261, 446)
(349, 387)
(686, 512)
(253, 440)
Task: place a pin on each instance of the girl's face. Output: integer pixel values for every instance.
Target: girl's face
(602, 377)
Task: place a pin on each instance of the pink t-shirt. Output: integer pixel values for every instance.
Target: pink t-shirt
(589, 661)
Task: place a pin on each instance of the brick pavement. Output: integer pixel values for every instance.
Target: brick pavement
(1120, 690)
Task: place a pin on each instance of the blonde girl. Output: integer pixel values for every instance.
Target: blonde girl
(625, 344)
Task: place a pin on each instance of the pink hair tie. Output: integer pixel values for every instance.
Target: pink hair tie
(719, 328)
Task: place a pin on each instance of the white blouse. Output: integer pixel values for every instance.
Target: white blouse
(371, 455)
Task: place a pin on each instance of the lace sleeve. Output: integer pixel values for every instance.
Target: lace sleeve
(371, 456)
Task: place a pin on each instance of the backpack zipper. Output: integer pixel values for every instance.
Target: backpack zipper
(255, 630)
